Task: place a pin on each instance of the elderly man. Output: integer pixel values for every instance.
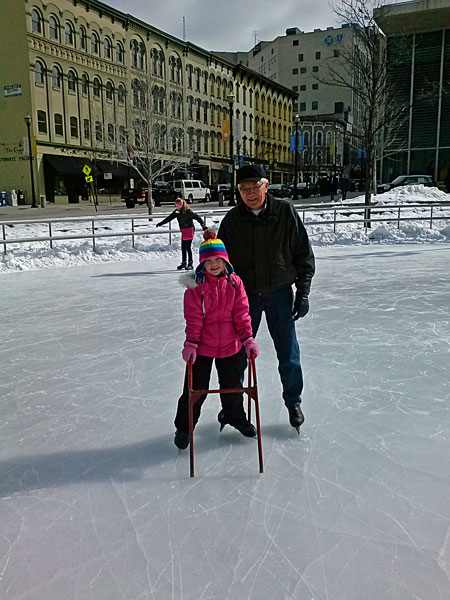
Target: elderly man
(269, 248)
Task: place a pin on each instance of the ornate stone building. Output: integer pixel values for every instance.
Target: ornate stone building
(108, 90)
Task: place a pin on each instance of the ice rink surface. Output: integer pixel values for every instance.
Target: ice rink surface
(97, 503)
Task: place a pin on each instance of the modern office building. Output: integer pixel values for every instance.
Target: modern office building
(110, 91)
(327, 114)
(418, 67)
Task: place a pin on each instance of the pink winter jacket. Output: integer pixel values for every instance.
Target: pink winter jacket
(217, 317)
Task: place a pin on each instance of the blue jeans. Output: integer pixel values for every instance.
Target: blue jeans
(278, 308)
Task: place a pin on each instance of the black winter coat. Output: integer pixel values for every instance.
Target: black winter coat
(185, 219)
(269, 250)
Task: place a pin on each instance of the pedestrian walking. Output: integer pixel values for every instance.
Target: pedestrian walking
(332, 186)
(185, 217)
(345, 181)
(270, 250)
(218, 326)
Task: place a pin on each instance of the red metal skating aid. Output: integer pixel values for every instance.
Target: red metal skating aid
(252, 392)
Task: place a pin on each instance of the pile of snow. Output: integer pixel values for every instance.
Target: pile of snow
(319, 224)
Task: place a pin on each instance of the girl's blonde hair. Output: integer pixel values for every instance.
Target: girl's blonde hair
(185, 208)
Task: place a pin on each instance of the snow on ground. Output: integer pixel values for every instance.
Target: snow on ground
(39, 255)
(97, 503)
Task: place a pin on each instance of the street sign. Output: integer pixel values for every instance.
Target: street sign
(89, 179)
(87, 169)
(107, 175)
(12, 90)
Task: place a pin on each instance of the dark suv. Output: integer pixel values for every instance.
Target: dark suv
(135, 196)
(161, 192)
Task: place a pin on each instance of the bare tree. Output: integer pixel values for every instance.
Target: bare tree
(361, 68)
(157, 121)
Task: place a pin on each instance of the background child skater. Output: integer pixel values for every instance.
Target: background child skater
(217, 326)
(185, 217)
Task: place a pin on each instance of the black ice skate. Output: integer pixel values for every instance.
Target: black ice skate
(296, 417)
(189, 266)
(242, 425)
(181, 439)
(182, 266)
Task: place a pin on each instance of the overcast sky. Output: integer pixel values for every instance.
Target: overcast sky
(229, 24)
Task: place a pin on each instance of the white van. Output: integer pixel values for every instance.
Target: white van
(191, 190)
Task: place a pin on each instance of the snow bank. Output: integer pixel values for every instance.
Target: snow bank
(39, 255)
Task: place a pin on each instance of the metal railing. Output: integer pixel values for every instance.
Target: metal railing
(430, 212)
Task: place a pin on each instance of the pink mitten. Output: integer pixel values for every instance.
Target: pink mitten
(189, 352)
(251, 347)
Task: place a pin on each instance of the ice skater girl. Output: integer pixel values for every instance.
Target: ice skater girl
(185, 217)
(217, 326)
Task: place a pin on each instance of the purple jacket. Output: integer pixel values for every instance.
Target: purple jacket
(217, 315)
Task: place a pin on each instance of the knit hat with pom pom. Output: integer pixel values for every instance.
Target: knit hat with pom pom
(212, 248)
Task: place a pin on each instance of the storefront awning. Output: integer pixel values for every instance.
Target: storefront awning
(65, 165)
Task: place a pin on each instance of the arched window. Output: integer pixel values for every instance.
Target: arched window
(109, 91)
(56, 78)
(71, 81)
(82, 38)
(69, 34)
(111, 133)
(119, 53)
(121, 94)
(96, 87)
(306, 138)
(140, 56)
(133, 48)
(98, 131)
(107, 48)
(53, 28)
(39, 71)
(135, 88)
(84, 84)
(95, 43)
(122, 136)
(319, 138)
(36, 21)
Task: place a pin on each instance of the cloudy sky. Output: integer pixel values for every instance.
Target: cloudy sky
(229, 24)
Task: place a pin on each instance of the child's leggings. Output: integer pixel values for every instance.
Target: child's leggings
(229, 371)
(186, 250)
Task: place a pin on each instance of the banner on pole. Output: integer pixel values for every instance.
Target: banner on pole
(226, 130)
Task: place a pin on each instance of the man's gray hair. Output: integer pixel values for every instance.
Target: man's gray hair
(263, 180)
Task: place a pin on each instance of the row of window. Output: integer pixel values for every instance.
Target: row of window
(301, 106)
(303, 70)
(314, 86)
(74, 129)
(57, 76)
(76, 38)
(318, 56)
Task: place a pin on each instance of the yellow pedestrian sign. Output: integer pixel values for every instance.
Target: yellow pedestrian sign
(86, 170)
(89, 179)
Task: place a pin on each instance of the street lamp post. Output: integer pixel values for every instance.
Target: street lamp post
(128, 158)
(295, 194)
(231, 99)
(27, 120)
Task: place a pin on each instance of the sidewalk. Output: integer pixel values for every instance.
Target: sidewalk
(56, 211)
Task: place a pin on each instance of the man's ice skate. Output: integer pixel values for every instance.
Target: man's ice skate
(296, 417)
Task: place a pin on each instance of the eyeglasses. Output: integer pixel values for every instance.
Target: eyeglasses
(252, 189)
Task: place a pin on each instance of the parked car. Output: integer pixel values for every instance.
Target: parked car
(191, 189)
(426, 180)
(162, 192)
(280, 190)
(224, 188)
(306, 190)
(135, 196)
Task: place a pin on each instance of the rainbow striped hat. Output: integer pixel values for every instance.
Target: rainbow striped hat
(212, 248)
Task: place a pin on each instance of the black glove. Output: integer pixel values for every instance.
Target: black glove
(158, 224)
(301, 306)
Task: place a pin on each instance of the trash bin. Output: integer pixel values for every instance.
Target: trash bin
(43, 202)
(220, 195)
